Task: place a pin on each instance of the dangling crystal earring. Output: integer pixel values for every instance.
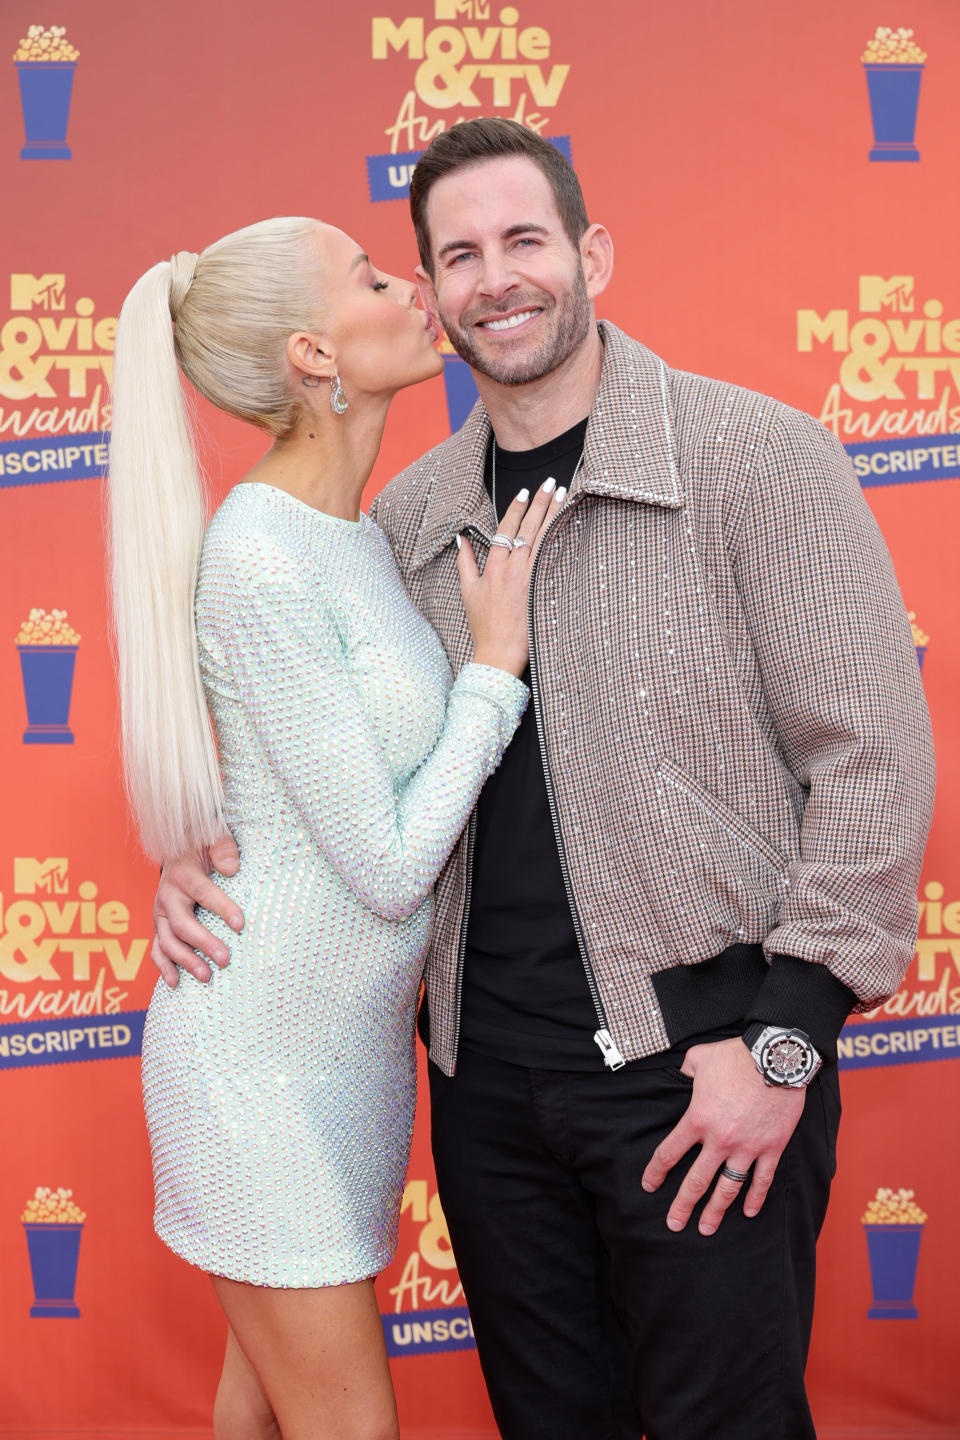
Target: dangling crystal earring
(338, 398)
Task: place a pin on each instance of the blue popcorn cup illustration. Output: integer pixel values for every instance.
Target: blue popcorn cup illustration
(54, 1251)
(45, 92)
(462, 393)
(47, 672)
(894, 1251)
(894, 92)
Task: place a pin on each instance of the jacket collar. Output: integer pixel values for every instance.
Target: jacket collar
(629, 454)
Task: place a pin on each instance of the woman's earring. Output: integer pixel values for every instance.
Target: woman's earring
(338, 399)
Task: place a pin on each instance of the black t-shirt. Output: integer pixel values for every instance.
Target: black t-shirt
(525, 993)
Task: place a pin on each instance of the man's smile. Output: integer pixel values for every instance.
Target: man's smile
(509, 322)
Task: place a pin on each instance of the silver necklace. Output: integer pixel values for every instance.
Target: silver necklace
(493, 475)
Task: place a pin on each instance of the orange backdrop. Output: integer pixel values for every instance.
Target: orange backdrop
(781, 212)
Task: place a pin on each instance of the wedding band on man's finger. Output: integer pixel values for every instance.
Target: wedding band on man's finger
(738, 1176)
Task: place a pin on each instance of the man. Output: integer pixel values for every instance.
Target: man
(700, 852)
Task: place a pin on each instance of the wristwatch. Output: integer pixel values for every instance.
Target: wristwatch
(783, 1057)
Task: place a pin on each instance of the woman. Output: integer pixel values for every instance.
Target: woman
(280, 1098)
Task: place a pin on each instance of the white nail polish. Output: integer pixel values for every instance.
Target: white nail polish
(561, 495)
(523, 496)
(549, 486)
(459, 542)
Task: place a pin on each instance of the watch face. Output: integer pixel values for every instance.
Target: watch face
(787, 1059)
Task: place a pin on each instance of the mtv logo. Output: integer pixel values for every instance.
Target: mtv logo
(45, 292)
(878, 294)
(49, 877)
(469, 9)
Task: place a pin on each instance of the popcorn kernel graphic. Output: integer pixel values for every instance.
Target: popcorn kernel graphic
(50, 46)
(43, 627)
(893, 1207)
(52, 1207)
(893, 47)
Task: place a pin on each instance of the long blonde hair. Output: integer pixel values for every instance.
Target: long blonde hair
(225, 315)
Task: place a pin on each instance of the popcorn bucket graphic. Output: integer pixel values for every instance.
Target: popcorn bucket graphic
(894, 1251)
(45, 90)
(54, 1253)
(893, 62)
(47, 683)
(462, 393)
(53, 1223)
(894, 96)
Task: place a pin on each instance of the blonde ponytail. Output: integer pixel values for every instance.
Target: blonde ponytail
(233, 308)
(157, 519)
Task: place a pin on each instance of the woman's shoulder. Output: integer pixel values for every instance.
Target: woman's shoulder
(246, 550)
(263, 539)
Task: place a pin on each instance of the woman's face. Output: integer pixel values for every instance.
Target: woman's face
(380, 339)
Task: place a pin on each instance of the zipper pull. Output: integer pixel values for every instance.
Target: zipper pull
(611, 1055)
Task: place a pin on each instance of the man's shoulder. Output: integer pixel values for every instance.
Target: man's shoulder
(704, 406)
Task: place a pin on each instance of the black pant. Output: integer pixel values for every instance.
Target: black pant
(593, 1320)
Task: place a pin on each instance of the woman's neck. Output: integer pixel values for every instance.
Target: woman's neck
(326, 461)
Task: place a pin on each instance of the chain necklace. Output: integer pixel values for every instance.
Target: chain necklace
(493, 475)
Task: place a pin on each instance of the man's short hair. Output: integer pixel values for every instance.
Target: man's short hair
(493, 138)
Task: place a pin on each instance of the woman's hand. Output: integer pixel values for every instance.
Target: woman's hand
(496, 601)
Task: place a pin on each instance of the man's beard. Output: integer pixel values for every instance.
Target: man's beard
(569, 326)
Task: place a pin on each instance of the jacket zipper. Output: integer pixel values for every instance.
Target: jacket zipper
(602, 1037)
(468, 890)
(612, 1057)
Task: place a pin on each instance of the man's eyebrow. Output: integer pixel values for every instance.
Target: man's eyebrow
(359, 260)
(524, 228)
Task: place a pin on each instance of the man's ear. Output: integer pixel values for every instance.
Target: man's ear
(310, 357)
(426, 290)
(596, 257)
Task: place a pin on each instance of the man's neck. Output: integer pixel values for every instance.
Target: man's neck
(525, 416)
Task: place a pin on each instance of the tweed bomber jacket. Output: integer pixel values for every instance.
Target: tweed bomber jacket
(726, 684)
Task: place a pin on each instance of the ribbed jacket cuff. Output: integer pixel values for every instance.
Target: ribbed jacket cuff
(809, 996)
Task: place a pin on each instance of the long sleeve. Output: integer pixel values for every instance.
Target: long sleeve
(841, 680)
(297, 689)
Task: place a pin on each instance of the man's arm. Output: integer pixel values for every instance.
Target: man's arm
(840, 677)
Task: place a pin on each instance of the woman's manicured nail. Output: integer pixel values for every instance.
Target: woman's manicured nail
(561, 495)
(549, 486)
(523, 496)
(459, 542)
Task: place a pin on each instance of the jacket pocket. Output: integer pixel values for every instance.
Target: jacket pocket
(733, 880)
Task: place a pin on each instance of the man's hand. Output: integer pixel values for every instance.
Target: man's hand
(737, 1119)
(177, 932)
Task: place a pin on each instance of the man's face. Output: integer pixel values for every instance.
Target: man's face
(508, 284)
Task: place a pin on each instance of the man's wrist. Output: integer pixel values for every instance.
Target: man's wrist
(784, 1055)
(804, 993)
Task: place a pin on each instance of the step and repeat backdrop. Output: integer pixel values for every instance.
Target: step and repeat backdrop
(780, 183)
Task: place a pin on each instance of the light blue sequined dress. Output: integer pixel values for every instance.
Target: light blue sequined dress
(280, 1096)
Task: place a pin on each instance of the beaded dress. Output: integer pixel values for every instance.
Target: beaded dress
(280, 1095)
